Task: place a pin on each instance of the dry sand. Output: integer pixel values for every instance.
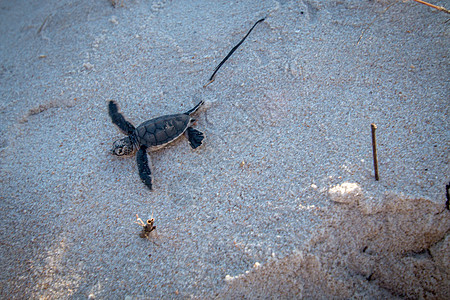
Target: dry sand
(279, 202)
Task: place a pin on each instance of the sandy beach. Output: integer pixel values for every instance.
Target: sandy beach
(280, 201)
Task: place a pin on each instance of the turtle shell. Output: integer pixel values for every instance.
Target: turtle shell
(157, 132)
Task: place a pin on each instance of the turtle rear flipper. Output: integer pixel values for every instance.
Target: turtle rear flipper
(195, 137)
(143, 167)
(193, 110)
(118, 119)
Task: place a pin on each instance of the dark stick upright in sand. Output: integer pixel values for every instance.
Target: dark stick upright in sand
(374, 147)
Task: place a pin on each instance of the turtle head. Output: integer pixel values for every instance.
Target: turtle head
(123, 146)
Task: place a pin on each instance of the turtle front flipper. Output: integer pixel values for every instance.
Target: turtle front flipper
(143, 167)
(118, 119)
(195, 137)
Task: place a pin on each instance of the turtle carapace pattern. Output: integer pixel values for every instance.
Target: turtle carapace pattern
(152, 135)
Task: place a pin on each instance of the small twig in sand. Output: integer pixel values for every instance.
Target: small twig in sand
(213, 76)
(139, 221)
(374, 147)
(440, 8)
(146, 227)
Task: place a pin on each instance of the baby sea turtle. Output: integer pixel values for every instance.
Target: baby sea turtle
(152, 134)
